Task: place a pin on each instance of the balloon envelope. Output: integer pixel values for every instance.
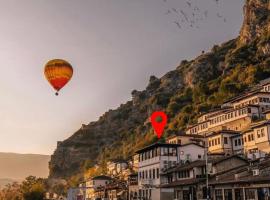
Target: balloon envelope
(58, 72)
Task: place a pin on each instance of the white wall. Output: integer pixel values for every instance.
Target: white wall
(192, 150)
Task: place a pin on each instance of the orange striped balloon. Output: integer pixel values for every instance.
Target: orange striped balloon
(58, 72)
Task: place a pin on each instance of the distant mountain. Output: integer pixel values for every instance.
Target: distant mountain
(18, 166)
(194, 87)
(5, 181)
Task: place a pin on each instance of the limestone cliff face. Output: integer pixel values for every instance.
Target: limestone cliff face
(193, 87)
(256, 20)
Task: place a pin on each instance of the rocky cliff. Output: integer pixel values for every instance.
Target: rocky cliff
(193, 87)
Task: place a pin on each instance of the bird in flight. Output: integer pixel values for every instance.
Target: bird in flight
(188, 3)
(178, 24)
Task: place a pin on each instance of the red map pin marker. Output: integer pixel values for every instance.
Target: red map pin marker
(159, 121)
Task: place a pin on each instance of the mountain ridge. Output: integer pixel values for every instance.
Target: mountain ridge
(16, 166)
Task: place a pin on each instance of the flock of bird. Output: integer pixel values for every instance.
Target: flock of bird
(190, 17)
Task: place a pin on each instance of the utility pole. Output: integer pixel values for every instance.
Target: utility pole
(206, 166)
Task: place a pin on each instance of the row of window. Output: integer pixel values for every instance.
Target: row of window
(260, 133)
(267, 88)
(221, 118)
(163, 151)
(168, 164)
(238, 142)
(183, 174)
(151, 174)
(178, 141)
(217, 141)
(254, 101)
(250, 193)
(249, 138)
(143, 194)
(230, 115)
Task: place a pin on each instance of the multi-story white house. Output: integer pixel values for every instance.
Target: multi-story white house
(91, 185)
(190, 152)
(226, 119)
(237, 144)
(221, 142)
(153, 160)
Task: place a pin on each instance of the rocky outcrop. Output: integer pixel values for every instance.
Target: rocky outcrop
(256, 20)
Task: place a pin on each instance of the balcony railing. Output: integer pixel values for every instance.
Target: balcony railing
(146, 182)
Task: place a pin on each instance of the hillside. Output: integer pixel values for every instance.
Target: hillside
(194, 87)
(18, 166)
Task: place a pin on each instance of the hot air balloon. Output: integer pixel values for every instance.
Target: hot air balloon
(58, 72)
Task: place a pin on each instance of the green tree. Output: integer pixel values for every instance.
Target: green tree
(33, 188)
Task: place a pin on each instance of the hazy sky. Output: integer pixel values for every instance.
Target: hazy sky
(113, 45)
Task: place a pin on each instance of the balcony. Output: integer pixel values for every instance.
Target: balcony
(146, 182)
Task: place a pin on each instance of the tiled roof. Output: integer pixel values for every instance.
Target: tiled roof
(245, 95)
(184, 135)
(247, 179)
(152, 146)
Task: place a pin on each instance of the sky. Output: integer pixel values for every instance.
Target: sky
(113, 45)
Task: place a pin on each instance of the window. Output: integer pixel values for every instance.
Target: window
(245, 139)
(218, 140)
(252, 137)
(258, 133)
(155, 152)
(235, 142)
(218, 194)
(157, 172)
(179, 175)
(249, 138)
(150, 173)
(249, 110)
(215, 141)
(143, 174)
(154, 173)
(225, 140)
(209, 143)
(262, 132)
(250, 193)
(228, 194)
(239, 141)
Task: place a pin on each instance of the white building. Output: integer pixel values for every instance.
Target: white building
(190, 152)
(93, 184)
(183, 139)
(153, 160)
